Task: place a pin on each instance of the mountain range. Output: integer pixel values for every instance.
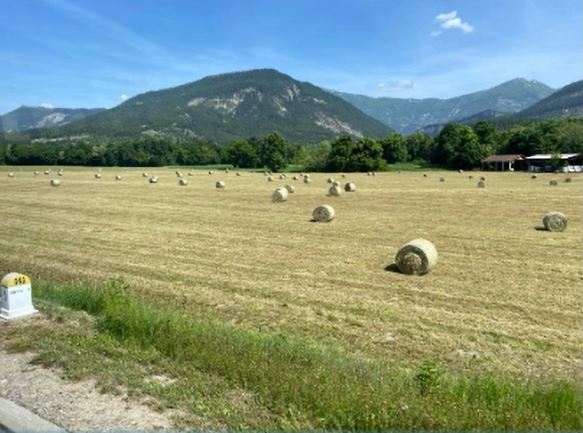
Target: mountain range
(409, 115)
(254, 103)
(24, 118)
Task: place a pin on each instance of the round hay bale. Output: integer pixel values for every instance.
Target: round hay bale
(10, 174)
(307, 179)
(178, 173)
(323, 213)
(295, 178)
(336, 183)
(555, 222)
(144, 174)
(416, 257)
(190, 173)
(481, 184)
(343, 176)
(373, 173)
(442, 179)
(534, 176)
(279, 195)
(153, 179)
(482, 178)
(269, 179)
(226, 170)
(55, 182)
(60, 173)
(470, 177)
(369, 173)
(238, 174)
(118, 177)
(349, 187)
(553, 182)
(290, 189)
(281, 176)
(47, 172)
(568, 180)
(97, 175)
(36, 173)
(335, 190)
(220, 184)
(210, 172)
(460, 171)
(182, 182)
(424, 174)
(330, 180)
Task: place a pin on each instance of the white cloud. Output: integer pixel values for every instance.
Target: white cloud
(451, 20)
(436, 33)
(396, 85)
(47, 105)
(123, 97)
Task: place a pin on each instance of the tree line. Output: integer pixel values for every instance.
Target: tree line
(456, 146)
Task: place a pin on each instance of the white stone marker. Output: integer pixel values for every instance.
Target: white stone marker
(16, 296)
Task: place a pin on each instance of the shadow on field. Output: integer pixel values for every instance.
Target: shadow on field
(392, 268)
(541, 228)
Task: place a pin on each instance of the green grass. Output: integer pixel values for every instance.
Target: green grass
(296, 385)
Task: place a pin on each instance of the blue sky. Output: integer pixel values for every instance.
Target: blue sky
(96, 53)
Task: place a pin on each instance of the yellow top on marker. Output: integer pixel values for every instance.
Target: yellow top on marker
(14, 279)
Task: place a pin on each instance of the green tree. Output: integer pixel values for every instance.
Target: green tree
(419, 146)
(487, 135)
(458, 147)
(241, 154)
(273, 151)
(347, 155)
(394, 148)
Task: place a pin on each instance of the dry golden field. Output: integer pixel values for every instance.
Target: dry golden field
(504, 296)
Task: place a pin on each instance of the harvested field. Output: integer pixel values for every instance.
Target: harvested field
(504, 296)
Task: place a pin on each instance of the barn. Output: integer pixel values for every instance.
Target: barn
(504, 163)
(564, 162)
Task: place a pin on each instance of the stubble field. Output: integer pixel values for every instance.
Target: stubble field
(504, 296)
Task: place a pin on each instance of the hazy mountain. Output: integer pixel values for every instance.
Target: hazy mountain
(408, 115)
(227, 106)
(565, 102)
(482, 115)
(24, 118)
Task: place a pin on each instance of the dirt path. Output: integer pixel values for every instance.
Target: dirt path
(75, 406)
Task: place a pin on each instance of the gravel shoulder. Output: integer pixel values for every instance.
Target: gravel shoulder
(74, 406)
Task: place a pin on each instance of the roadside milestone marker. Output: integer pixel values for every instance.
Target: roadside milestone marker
(16, 297)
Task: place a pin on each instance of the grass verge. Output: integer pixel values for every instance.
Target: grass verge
(297, 385)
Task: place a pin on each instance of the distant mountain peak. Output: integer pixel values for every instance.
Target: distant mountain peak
(28, 117)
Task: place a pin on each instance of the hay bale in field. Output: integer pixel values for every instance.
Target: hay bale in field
(190, 173)
(307, 179)
(424, 174)
(553, 182)
(534, 176)
(220, 184)
(442, 179)
(369, 173)
(97, 175)
(336, 183)
(470, 177)
(555, 222)
(36, 173)
(568, 180)
(47, 172)
(118, 177)
(269, 179)
(290, 189)
(238, 174)
(144, 174)
(416, 257)
(182, 182)
(10, 174)
(481, 184)
(335, 191)
(281, 176)
(295, 178)
(330, 180)
(153, 179)
(373, 173)
(349, 187)
(226, 170)
(60, 173)
(178, 173)
(482, 178)
(343, 176)
(460, 171)
(55, 182)
(210, 172)
(279, 195)
(323, 213)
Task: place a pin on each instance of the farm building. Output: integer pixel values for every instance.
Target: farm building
(567, 162)
(504, 162)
